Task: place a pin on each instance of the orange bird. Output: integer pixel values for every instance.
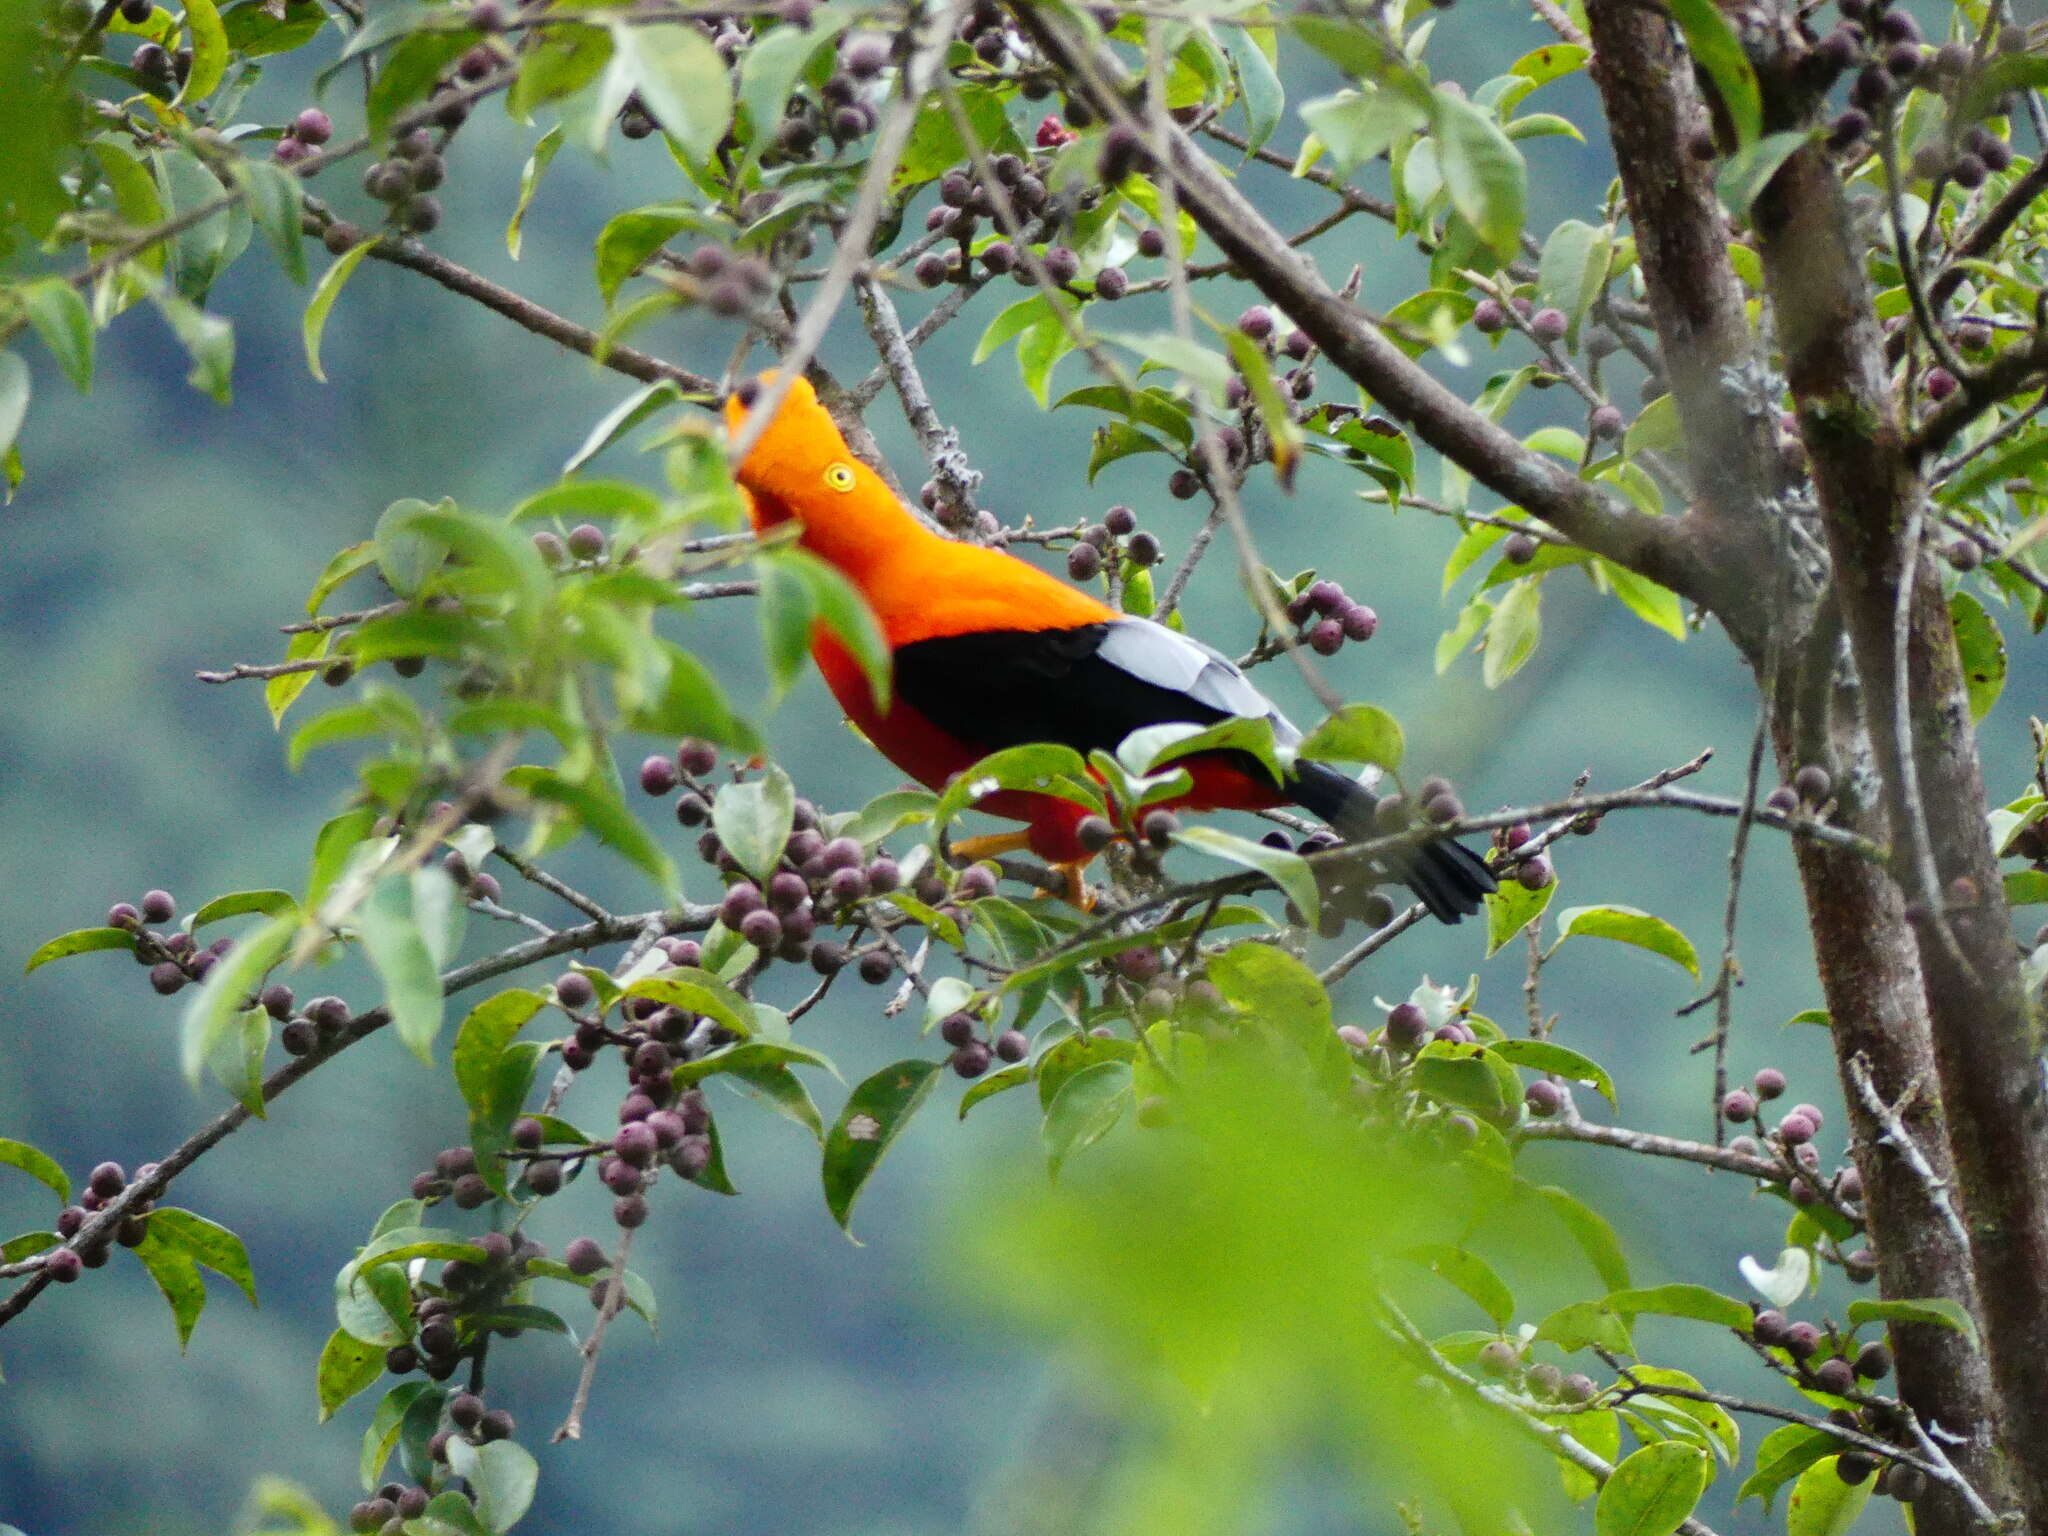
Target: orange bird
(990, 652)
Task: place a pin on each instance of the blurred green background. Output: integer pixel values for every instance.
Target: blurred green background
(799, 1383)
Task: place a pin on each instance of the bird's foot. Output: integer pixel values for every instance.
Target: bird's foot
(1074, 888)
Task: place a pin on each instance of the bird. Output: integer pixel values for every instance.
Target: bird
(988, 651)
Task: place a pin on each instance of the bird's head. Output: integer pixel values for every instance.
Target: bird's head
(800, 467)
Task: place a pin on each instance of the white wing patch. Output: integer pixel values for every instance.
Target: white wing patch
(1160, 656)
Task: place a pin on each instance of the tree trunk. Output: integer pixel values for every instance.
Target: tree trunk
(1863, 950)
(1984, 1039)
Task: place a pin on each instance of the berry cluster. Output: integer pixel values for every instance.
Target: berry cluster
(308, 131)
(730, 284)
(106, 1183)
(1825, 1359)
(1546, 1383)
(1117, 535)
(1808, 792)
(1791, 1143)
(819, 880)
(1881, 42)
(173, 958)
(404, 181)
(972, 1052)
(1325, 617)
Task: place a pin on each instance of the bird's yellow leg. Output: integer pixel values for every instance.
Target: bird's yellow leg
(1074, 887)
(995, 843)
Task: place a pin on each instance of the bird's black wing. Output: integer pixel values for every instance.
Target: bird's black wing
(1086, 688)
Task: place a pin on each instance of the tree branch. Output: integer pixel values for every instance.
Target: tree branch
(1654, 547)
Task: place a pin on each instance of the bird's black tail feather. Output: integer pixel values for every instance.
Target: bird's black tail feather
(1450, 878)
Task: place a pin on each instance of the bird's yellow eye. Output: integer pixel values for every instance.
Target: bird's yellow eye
(839, 476)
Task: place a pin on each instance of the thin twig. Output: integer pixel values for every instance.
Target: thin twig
(99, 1227)
(571, 1428)
(1901, 1141)
(853, 235)
(1729, 977)
(535, 875)
(956, 478)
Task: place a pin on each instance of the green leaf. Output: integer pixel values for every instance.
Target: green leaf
(773, 1084)
(480, 1043)
(874, 1116)
(1199, 365)
(37, 1164)
(1714, 45)
(176, 1275)
(382, 1434)
(209, 51)
(1357, 733)
(1573, 269)
(1084, 1110)
(275, 203)
(1822, 1504)
(449, 1513)
(536, 167)
(1583, 1324)
(217, 1002)
(210, 1245)
(60, 317)
(1511, 908)
(1693, 1301)
(280, 693)
(352, 561)
(1044, 768)
(80, 941)
(1627, 925)
(1151, 748)
(848, 618)
(1750, 169)
(1982, 651)
(209, 340)
(1558, 1060)
(1589, 1229)
(1483, 171)
(333, 845)
(502, 1475)
(604, 814)
(698, 991)
(1512, 632)
(2014, 461)
(993, 1084)
(1286, 868)
(1258, 83)
(1782, 1456)
(241, 903)
(1656, 606)
(1939, 1311)
(1656, 429)
(1469, 1273)
(1653, 1491)
(325, 292)
(681, 81)
(14, 391)
(770, 69)
(1719, 1424)
(1357, 125)
(347, 1366)
(622, 418)
(409, 72)
(753, 819)
(1272, 984)
(390, 931)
